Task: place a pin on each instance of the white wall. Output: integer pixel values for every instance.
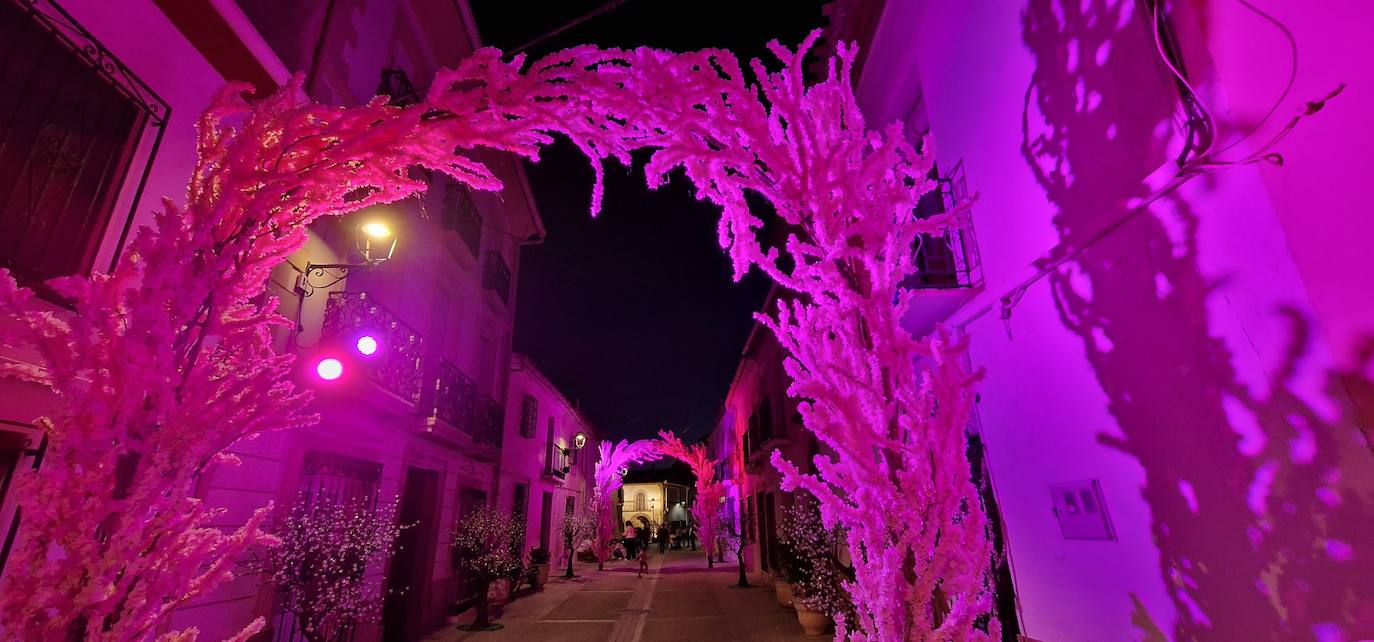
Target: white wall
(1175, 355)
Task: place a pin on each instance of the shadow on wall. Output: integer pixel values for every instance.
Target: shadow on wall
(1263, 529)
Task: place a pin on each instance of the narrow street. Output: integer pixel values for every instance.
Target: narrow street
(679, 599)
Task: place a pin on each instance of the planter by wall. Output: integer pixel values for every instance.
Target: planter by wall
(813, 622)
(543, 573)
(784, 591)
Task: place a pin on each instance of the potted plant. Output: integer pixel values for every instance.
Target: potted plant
(482, 550)
(818, 577)
(783, 572)
(539, 558)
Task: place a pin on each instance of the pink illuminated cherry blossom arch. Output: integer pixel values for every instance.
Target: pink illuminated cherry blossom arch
(616, 456)
(168, 359)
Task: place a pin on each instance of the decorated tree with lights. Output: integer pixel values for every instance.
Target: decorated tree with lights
(608, 476)
(709, 490)
(168, 361)
(322, 561)
(819, 575)
(579, 530)
(482, 550)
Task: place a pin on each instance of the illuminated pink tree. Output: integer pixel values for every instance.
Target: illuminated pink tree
(708, 489)
(168, 361)
(614, 458)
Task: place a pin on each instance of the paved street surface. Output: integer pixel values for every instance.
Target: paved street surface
(679, 599)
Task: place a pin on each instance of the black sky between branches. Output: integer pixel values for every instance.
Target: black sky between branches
(634, 313)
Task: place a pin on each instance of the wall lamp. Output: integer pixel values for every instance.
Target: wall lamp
(375, 243)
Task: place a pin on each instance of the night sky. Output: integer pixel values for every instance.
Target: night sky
(634, 313)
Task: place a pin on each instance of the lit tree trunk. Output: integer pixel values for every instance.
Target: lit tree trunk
(739, 557)
(569, 573)
(483, 607)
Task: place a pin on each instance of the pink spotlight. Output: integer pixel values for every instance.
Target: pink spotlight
(367, 345)
(329, 369)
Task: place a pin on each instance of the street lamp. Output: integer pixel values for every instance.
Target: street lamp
(375, 243)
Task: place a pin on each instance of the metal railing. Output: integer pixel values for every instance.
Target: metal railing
(949, 259)
(450, 395)
(485, 428)
(348, 315)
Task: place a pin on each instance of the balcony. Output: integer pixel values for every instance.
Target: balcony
(557, 462)
(450, 395)
(948, 260)
(485, 428)
(496, 275)
(397, 368)
(767, 427)
(948, 268)
(459, 214)
(456, 414)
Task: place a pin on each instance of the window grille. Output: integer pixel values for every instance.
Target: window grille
(334, 479)
(529, 416)
(70, 130)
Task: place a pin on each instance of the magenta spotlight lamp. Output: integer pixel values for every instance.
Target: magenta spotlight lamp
(367, 345)
(329, 369)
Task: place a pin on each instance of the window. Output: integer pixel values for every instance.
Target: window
(529, 416)
(520, 503)
(339, 479)
(639, 501)
(21, 447)
(570, 506)
(336, 479)
(68, 133)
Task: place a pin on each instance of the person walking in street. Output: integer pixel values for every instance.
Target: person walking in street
(662, 539)
(631, 540)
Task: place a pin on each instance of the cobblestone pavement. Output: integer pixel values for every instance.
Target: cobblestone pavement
(679, 599)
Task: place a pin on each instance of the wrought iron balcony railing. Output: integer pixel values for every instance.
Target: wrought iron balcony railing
(496, 275)
(397, 366)
(450, 395)
(947, 260)
(485, 428)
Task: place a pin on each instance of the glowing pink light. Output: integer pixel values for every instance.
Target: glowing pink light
(329, 369)
(367, 345)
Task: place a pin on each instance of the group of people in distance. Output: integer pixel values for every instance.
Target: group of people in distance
(635, 544)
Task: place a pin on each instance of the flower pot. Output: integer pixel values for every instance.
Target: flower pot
(543, 573)
(813, 622)
(784, 591)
